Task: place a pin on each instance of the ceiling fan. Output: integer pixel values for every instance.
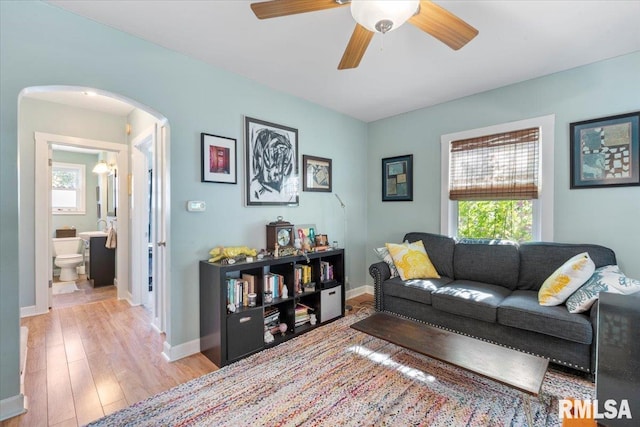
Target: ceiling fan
(378, 16)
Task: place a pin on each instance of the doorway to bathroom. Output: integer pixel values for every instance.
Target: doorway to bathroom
(83, 210)
(155, 132)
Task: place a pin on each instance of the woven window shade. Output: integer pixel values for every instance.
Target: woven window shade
(495, 167)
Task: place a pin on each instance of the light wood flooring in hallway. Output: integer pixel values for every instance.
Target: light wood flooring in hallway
(88, 360)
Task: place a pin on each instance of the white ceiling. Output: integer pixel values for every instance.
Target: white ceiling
(402, 71)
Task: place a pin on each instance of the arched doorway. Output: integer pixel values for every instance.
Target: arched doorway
(129, 221)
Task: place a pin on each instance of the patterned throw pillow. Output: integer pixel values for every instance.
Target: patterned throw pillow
(383, 254)
(566, 280)
(412, 261)
(605, 279)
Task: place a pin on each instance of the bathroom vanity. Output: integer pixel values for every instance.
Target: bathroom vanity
(100, 261)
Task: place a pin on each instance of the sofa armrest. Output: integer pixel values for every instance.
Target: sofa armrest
(380, 272)
(593, 317)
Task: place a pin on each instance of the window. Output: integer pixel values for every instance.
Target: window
(493, 181)
(67, 188)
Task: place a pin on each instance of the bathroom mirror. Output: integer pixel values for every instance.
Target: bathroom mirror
(112, 193)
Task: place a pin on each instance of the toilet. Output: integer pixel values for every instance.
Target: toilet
(68, 253)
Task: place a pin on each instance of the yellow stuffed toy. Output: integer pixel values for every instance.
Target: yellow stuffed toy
(222, 252)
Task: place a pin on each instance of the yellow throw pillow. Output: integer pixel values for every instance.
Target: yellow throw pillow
(412, 261)
(566, 280)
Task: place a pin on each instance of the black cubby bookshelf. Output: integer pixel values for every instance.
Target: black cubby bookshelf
(226, 336)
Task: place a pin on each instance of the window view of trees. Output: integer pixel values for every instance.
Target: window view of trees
(496, 219)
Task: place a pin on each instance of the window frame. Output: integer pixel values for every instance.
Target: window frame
(542, 207)
(80, 208)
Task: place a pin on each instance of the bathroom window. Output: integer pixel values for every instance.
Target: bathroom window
(68, 188)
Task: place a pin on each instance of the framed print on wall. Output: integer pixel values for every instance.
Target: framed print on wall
(271, 153)
(397, 179)
(218, 154)
(605, 152)
(316, 174)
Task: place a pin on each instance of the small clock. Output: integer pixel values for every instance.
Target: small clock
(280, 232)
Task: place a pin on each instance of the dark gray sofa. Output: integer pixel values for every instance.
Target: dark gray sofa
(489, 290)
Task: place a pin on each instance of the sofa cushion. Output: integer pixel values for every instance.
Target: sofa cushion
(384, 255)
(439, 248)
(566, 280)
(418, 290)
(605, 279)
(496, 264)
(411, 261)
(521, 310)
(539, 259)
(470, 299)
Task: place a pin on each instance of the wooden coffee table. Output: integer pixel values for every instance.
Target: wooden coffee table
(522, 371)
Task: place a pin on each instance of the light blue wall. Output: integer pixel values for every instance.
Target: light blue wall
(43, 45)
(606, 216)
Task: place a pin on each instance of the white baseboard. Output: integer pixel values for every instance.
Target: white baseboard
(365, 289)
(181, 350)
(31, 310)
(12, 406)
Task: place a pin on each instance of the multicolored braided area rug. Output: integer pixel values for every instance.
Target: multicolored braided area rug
(336, 376)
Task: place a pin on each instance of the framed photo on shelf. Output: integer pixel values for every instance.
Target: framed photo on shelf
(271, 153)
(605, 152)
(397, 179)
(218, 154)
(316, 174)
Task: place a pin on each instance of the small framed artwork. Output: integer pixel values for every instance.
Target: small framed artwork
(397, 179)
(218, 155)
(271, 153)
(316, 174)
(605, 152)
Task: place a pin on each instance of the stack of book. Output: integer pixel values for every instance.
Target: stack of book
(272, 319)
(302, 314)
(274, 283)
(326, 271)
(302, 275)
(238, 290)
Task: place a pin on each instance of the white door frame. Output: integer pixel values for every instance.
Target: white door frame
(43, 232)
(161, 208)
(155, 139)
(142, 145)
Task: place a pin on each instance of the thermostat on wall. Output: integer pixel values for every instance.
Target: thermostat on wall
(196, 206)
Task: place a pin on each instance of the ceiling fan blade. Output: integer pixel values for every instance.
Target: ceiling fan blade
(276, 8)
(443, 25)
(355, 49)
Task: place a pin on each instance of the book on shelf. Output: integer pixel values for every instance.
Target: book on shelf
(251, 280)
(326, 271)
(302, 314)
(272, 318)
(302, 320)
(274, 283)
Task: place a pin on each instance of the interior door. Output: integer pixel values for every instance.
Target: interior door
(49, 226)
(140, 218)
(160, 208)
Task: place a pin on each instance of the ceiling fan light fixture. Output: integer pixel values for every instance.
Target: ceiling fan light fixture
(383, 15)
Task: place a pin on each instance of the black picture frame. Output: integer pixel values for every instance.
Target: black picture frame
(605, 152)
(316, 174)
(397, 179)
(271, 153)
(218, 156)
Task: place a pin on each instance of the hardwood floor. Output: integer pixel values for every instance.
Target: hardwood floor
(86, 293)
(88, 360)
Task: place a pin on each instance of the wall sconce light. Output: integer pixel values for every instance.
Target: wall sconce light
(101, 167)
